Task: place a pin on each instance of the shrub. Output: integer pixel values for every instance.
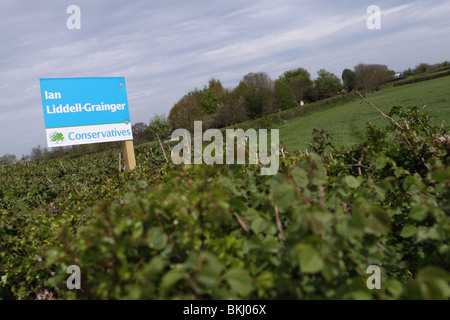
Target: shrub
(226, 232)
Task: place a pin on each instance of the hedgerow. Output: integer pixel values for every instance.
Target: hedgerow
(226, 232)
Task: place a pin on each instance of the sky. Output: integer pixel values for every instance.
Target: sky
(165, 49)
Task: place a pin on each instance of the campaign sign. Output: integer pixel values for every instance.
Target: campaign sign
(85, 110)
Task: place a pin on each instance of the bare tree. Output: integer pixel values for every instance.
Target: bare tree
(184, 113)
(371, 76)
(139, 132)
(8, 159)
(231, 111)
(36, 153)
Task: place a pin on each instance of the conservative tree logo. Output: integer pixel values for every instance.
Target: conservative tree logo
(56, 137)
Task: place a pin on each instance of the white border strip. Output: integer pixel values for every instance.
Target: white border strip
(70, 136)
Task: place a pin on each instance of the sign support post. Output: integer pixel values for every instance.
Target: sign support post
(128, 154)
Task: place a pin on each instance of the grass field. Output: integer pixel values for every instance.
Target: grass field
(347, 121)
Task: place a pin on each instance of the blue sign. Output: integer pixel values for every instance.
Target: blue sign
(69, 102)
(85, 110)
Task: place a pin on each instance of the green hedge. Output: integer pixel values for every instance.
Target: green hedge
(276, 118)
(226, 232)
(424, 78)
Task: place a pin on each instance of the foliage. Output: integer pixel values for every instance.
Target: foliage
(263, 96)
(212, 96)
(350, 80)
(221, 232)
(300, 82)
(257, 91)
(327, 84)
(422, 78)
(7, 159)
(159, 126)
(38, 199)
(36, 153)
(284, 97)
(422, 68)
(210, 102)
(216, 86)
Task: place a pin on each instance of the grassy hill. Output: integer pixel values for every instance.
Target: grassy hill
(346, 121)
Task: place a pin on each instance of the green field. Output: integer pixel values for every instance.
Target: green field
(347, 121)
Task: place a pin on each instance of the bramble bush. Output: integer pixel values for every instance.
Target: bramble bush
(226, 232)
(38, 199)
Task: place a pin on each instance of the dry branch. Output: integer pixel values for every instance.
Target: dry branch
(241, 223)
(279, 225)
(381, 112)
(162, 148)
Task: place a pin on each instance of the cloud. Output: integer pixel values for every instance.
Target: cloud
(166, 48)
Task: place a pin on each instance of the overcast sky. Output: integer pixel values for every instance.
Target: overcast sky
(166, 48)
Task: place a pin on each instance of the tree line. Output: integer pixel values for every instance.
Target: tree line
(255, 96)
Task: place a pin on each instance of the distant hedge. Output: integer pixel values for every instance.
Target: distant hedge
(275, 118)
(424, 78)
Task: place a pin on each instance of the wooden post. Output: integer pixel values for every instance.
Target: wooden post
(128, 155)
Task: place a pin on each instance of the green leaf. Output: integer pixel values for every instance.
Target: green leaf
(156, 266)
(380, 163)
(258, 225)
(425, 233)
(210, 272)
(395, 287)
(419, 213)
(433, 283)
(240, 281)
(284, 195)
(398, 172)
(158, 239)
(319, 178)
(142, 184)
(271, 245)
(441, 175)
(309, 259)
(379, 222)
(170, 279)
(431, 273)
(352, 182)
(300, 177)
(408, 231)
